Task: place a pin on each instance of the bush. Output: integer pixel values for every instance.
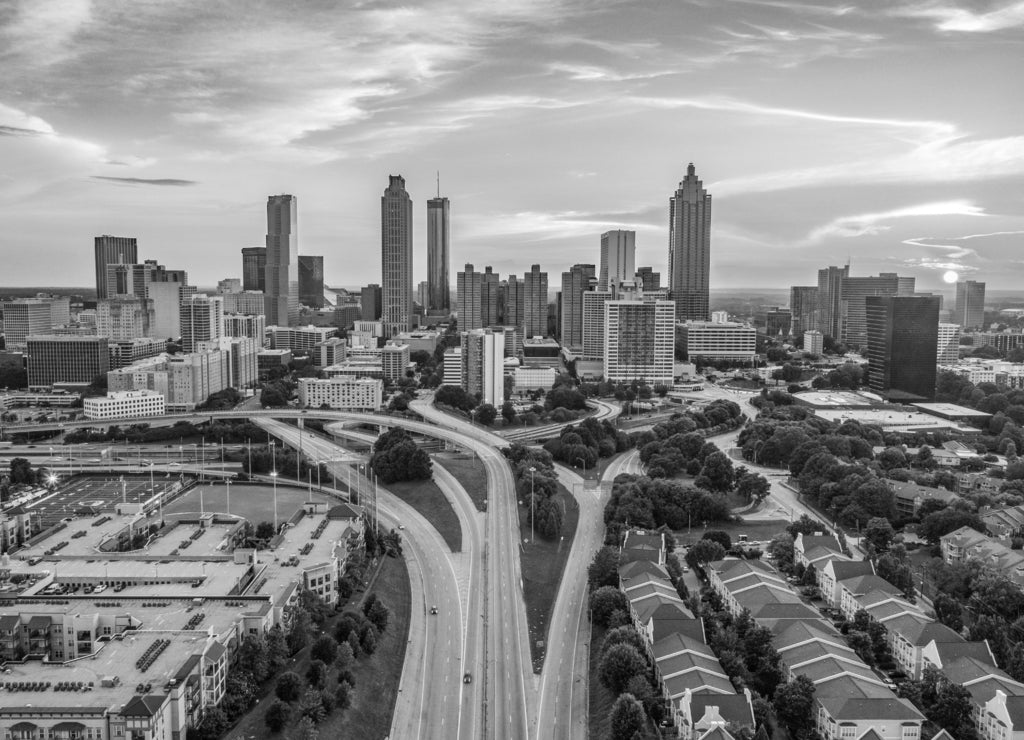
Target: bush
(289, 686)
(277, 716)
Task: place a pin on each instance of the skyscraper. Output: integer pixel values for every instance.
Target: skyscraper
(639, 341)
(575, 283)
(902, 345)
(311, 280)
(830, 300)
(202, 320)
(254, 268)
(593, 323)
(124, 317)
(396, 257)
(24, 318)
(535, 302)
(949, 344)
(970, 304)
(370, 302)
(112, 250)
(803, 305)
(490, 295)
(438, 288)
(618, 259)
(648, 279)
(689, 248)
(282, 278)
(469, 289)
(483, 358)
(514, 298)
(853, 330)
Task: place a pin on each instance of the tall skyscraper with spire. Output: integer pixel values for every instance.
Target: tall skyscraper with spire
(438, 287)
(396, 257)
(282, 270)
(689, 249)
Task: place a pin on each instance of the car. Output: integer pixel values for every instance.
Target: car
(686, 569)
(99, 589)
(467, 678)
(433, 610)
(401, 526)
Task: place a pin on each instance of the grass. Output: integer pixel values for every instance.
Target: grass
(542, 564)
(761, 531)
(253, 502)
(470, 472)
(429, 501)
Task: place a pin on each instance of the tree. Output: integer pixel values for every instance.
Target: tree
(781, 551)
(704, 552)
(21, 471)
(722, 538)
(716, 473)
(879, 533)
(752, 487)
(397, 458)
(307, 729)
(277, 716)
(794, 704)
(215, 723)
(626, 718)
(508, 412)
(368, 639)
(289, 686)
(345, 656)
(604, 568)
(486, 414)
(618, 665)
(343, 696)
(324, 649)
(623, 635)
(316, 674)
(265, 531)
(378, 615)
(604, 601)
(252, 657)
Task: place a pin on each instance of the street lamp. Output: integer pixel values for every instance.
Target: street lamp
(532, 471)
(228, 482)
(584, 461)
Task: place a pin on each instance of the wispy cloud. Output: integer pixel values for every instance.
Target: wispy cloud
(145, 181)
(953, 18)
(865, 224)
(43, 30)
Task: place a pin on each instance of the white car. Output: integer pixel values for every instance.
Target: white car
(99, 589)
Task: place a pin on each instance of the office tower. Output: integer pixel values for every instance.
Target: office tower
(618, 259)
(535, 302)
(469, 285)
(166, 298)
(135, 279)
(689, 248)
(370, 302)
(648, 279)
(244, 325)
(396, 257)
(282, 279)
(422, 295)
(483, 365)
(346, 316)
(229, 285)
(778, 322)
(490, 294)
(60, 308)
(902, 342)
(593, 323)
(970, 304)
(948, 352)
(814, 342)
(112, 250)
(514, 297)
(300, 339)
(248, 302)
(254, 268)
(128, 352)
(803, 306)
(830, 300)
(394, 360)
(853, 291)
(311, 281)
(26, 317)
(202, 320)
(123, 318)
(639, 341)
(575, 284)
(59, 359)
(438, 288)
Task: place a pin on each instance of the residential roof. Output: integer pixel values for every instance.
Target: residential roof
(636, 567)
(717, 733)
(920, 634)
(669, 619)
(853, 708)
(734, 708)
(142, 706)
(867, 583)
(678, 643)
(843, 569)
(345, 511)
(698, 680)
(952, 652)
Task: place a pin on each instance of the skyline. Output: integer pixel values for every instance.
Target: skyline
(885, 133)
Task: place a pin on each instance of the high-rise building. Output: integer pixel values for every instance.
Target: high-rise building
(948, 351)
(423, 294)
(514, 298)
(62, 359)
(299, 339)
(593, 323)
(112, 250)
(689, 249)
(452, 366)
(803, 307)
(853, 329)
(229, 285)
(830, 300)
(720, 340)
(970, 304)
(575, 283)
(311, 280)
(469, 289)
(202, 320)
(438, 287)
(491, 297)
(618, 259)
(483, 365)
(370, 303)
(648, 279)
(123, 318)
(282, 279)
(778, 322)
(902, 345)
(245, 325)
(254, 268)
(248, 302)
(26, 317)
(814, 342)
(535, 302)
(396, 257)
(394, 360)
(166, 299)
(241, 354)
(639, 341)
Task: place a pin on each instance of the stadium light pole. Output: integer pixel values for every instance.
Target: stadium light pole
(532, 471)
(273, 476)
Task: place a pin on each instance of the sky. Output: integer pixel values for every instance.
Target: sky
(883, 132)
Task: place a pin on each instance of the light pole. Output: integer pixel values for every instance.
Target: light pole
(228, 482)
(273, 477)
(532, 471)
(584, 461)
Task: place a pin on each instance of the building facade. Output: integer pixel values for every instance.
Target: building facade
(575, 284)
(281, 285)
(854, 290)
(902, 344)
(618, 259)
(396, 257)
(124, 405)
(647, 279)
(948, 351)
(593, 323)
(689, 248)
(469, 293)
(483, 365)
(311, 280)
(720, 341)
(341, 393)
(202, 320)
(112, 250)
(394, 360)
(970, 304)
(65, 359)
(370, 303)
(24, 318)
(535, 303)
(830, 300)
(254, 268)
(814, 342)
(123, 318)
(438, 286)
(803, 306)
(639, 341)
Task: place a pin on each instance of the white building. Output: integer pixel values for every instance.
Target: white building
(241, 352)
(419, 340)
(185, 381)
(166, 298)
(394, 360)
(300, 339)
(341, 392)
(24, 318)
(814, 342)
(453, 366)
(247, 303)
(123, 318)
(245, 325)
(949, 344)
(720, 341)
(719, 317)
(639, 341)
(125, 405)
(593, 323)
(330, 352)
(373, 328)
(531, 377)
(483, 365)
(202, 320)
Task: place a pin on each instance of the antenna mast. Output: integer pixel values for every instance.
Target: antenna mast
(439, 183)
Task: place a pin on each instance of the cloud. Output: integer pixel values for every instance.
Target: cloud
(953, 18)
(43, 30)
(550, 225)
(145, 181)
(870, 224)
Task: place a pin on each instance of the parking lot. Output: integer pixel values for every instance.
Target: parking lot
(93, 495)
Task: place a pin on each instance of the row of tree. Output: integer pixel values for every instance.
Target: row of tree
(536, 486)
(647, 503)
(396, 457)
(586, 442)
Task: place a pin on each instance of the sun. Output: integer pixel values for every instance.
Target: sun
(950, 276)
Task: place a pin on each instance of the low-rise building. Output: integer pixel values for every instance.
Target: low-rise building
(125, 405)
(910, 496)
(707, 340)
(532, 377)
(342, 393)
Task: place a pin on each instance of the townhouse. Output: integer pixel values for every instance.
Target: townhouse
(816, 549)
(1006, 522)
(968, 544)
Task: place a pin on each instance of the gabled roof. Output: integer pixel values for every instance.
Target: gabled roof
(734, 708)
(1015, 708)
(636, 567)
(920, 634)
(215, 652)
(870, 735)
(908, 626)
(676, 643)
(647, 605)
(872, 709)
(9, 622)
(868, 583)
(668, 619)
(345, 511)
(843, 569)
(819, 540)
(830, 667)
(651, 588)
(143, 706)
(716, 733)
(953, 652)
(698, 680)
